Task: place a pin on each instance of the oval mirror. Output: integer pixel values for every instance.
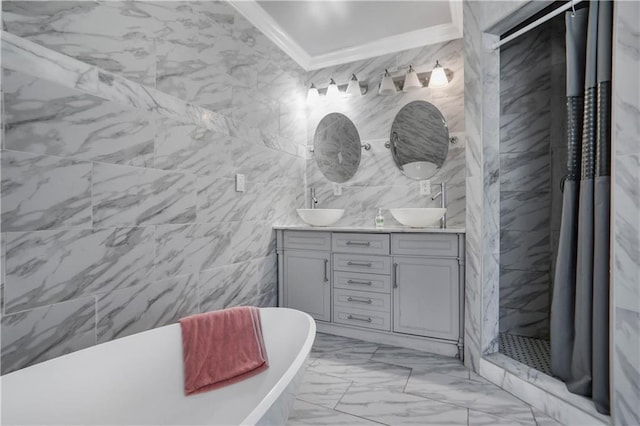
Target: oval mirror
(419, 140)
(337, 147)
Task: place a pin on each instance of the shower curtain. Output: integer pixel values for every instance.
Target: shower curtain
(580, 303)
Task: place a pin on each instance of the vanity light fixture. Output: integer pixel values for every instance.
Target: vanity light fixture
(334, 91)
(438, 77)
(411, 81)
(387, 86)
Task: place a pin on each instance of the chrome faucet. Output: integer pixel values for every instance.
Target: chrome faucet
(443, 203)
(314, 200)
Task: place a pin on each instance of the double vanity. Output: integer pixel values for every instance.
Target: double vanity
(396, 286)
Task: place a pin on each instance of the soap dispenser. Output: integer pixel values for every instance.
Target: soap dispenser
(379, 220)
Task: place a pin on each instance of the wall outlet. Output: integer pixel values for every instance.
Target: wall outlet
(337, 189)
(240, 183)
(425, 187)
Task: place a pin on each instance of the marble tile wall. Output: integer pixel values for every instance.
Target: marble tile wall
(625, 241)
(532, 162)
(125, 124)
(378, 182)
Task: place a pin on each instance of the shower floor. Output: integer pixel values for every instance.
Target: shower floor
(530, 351)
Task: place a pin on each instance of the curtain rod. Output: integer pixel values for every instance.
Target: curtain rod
(545, 18)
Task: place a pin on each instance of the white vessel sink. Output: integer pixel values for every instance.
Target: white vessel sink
(320, 217)
(418, 217)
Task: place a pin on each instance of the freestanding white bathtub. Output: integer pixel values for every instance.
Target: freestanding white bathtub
(138, 380)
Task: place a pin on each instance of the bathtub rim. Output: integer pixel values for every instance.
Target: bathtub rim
(299, 362)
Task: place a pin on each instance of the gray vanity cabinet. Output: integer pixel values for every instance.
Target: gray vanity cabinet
(397, 288)
(307, 273)
(426, 297)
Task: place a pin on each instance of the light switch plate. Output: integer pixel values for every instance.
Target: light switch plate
(337, 189)
(240, 183)
(425, 187)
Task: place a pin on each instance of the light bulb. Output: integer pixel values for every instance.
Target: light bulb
(353, 89)
(438, 77)
(411, 81)
(332, 90)
(386, 85)
(312, 94)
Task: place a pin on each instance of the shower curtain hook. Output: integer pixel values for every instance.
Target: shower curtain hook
(573, 8)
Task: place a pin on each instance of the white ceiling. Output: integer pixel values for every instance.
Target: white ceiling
(321, 33)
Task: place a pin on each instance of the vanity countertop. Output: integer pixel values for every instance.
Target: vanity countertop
(371, 229)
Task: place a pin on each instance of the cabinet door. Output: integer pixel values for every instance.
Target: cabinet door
(307, 286)
(426, 297)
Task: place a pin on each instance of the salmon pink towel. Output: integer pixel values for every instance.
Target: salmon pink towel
(222, 347)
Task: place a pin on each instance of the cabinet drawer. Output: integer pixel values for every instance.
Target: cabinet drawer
(348, 299)
(361, 243)
(362, 263)
(307, 240)
(436, 245)
(362, 318)
(361, 281)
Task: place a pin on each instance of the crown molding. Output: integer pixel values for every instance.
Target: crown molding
(252, 11)
(255, 14)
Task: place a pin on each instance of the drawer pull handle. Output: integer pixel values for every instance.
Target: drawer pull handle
(368, 301)
(366, 265)
(351, 317)
(395, 275)
(358, 243)
(326, 263)
(359, 282)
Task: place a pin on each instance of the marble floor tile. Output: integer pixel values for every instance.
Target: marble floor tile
(304, 413)
(479, 418)
(327, 343)
(323, 390)
(398, 408)
(348, 382)
(363, 371)
(421, 361)
(479, 395)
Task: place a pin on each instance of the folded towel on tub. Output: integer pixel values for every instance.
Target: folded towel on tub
(222, 347)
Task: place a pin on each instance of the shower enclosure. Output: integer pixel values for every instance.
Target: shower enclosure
(532, 166)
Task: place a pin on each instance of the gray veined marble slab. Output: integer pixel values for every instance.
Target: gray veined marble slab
(40, 192)
(108, 35)
(524, 323)
(125, 196)
(398, 408)
(524, 211)
(525, 251)
(422, 361)
(191, 148)
(525, 290)
(145, 306)
(218, 200)
(47, 267)
(479, 418)
(478, 394)
(524, 131)
(321, 389)
(234, 285)
(528, 171)
(182, 71)
(329, 343)
(304, 413)
(42, 117)
(363, 371)
(37, 335)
